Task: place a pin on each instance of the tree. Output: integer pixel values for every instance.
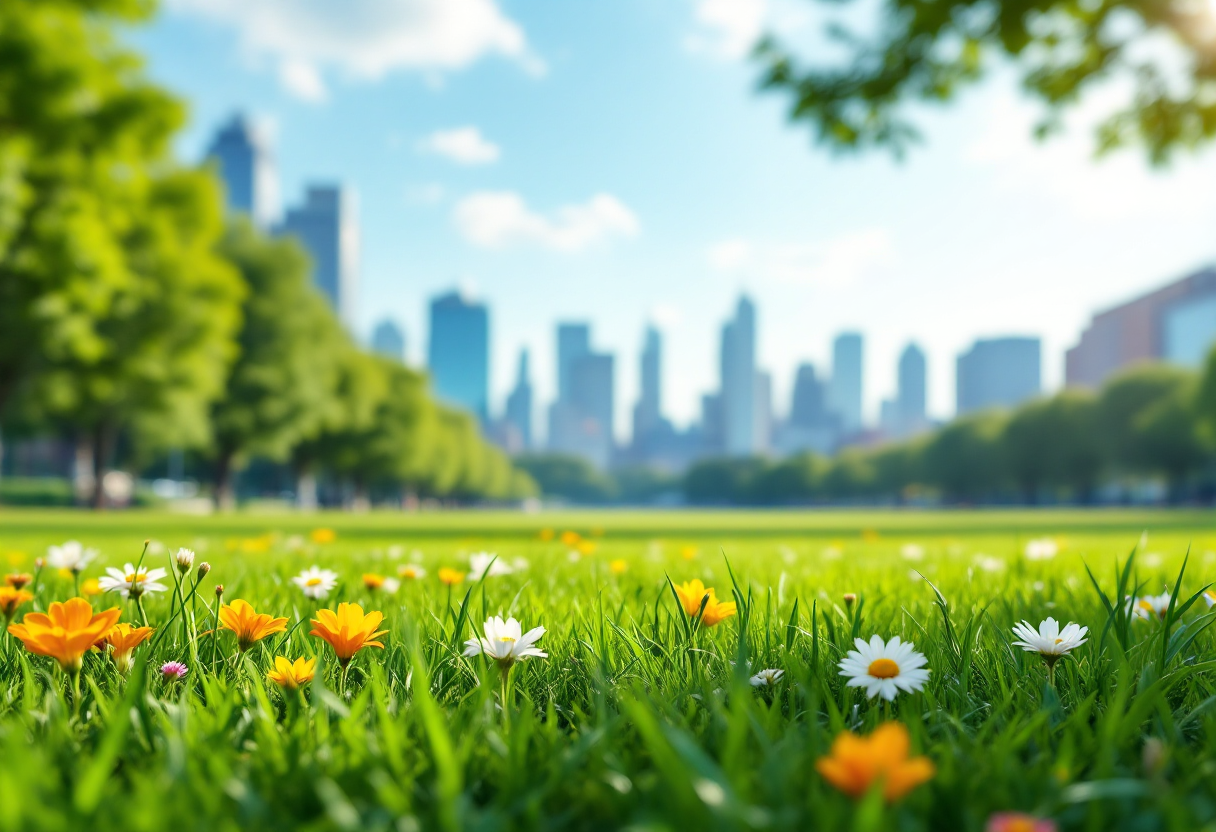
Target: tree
(1123, 404)
(717, 481)
(797, 479)
(1054, 442)
(966, 459)
(1169, 439)
(281, 389)
(929, 50)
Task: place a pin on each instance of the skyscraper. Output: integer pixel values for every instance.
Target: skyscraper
(648, 413)
(910, 395)
(845, 387)
(388, 340)
(739, 381)
(581, 419)
(810, 426)
(518, 415)
(327, 227)
(763, 414)
(244, 164)
(573, 342)
(459, 352)
(997, 372)
(808, 409)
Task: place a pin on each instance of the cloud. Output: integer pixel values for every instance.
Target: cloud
(302, 80)
(464, 145)
(499, 219)
(728, 28)
(428, 193)
(367, 39)
(835, 262)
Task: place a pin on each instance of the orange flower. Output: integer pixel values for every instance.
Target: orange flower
(323, 535)
(122, 639)
(18, 580)
(291, 675)
(348, 630)
(451, 577)
(91, 587)
(65, 632)
(691, 594)
(857, 763)
(1018, 822)
(11, 598)
(717, 611)
(373, 581)
(570, 539)
(619, 566)
(250, 626)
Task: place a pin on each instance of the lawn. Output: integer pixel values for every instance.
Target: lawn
(641, 715)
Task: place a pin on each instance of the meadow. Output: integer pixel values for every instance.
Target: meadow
(647, 712)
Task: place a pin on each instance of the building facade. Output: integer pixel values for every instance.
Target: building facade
(998, 372)
(845, 389)
(458, 353)
(243, 161)
(389, 341)
(327, 226)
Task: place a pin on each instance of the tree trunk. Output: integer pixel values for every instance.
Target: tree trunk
(225, 493)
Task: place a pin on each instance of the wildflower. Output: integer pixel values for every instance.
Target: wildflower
(323, 535)
(912, 551)
(767, 678)
(10, 599)
(373, 581)
(850, 598)
(570, 539)
(884, 668)
(505, 642)
(692, 593)
(586, 547)
(451, 577)
(291, 675)
(717, 611)
(411, 572)
(856, 764)
(487, 563)
(173, 671)
(348, 630)
(131, 583)
(91, 587)
(18, 580)
(1018, 822)
(71, 556)
(249, 626)
(315, 582)
(203, 569)
(1050, 641)
(122, 639)
(619, 566)
(689, 553)
(184, 560)
(1041, 549)
(1149, 607)
(65, 632)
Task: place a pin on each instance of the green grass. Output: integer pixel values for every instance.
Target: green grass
(630, 722)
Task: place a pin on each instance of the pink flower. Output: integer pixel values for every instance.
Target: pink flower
(173, 671)
(1018, 822)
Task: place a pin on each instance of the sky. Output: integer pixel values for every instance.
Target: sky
(616, 163)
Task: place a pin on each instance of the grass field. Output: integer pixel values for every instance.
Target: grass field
(641, 716)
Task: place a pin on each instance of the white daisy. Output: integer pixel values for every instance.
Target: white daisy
(479, 562)
(129, 583)
(71, 556)
(1150, 607)
(1049, 641)
(1043, 548)
(767, 678)
(505, 642)
(884, 668)
(184, 560)
(316, 582)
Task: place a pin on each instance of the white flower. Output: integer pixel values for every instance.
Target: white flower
(989, 564)
(390, 586)
(884, 668)
(316, 582)
(411, 572)
(479, 562)
(71, 556)
(767, 678)
(1148, 607)
(505, 642)
(913, 551)
(131, 584)
(1049, 641)
(185, 560)
(1043, 548)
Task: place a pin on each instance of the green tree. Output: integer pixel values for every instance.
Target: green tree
(929, 50)
(1054, 443)
(798, 479)
(723, 481)
(1170, 439)
(568, 477)
(967, 459)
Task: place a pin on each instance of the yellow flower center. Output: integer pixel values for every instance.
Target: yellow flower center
(1021, 825)
(141, 577)
(883, 669)
(313, 582)
(506, 638)
(1059, 640)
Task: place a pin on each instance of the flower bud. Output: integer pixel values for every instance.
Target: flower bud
(203, 569)
(39, 563)
(850, 598)
(185, 560)
(219, 590)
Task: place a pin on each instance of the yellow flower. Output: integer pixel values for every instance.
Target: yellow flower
(18, 580)
(691, 594)
(570, 539)
(15, 559)
(451, 577)
(257, 545)
(90, 587)
(65, 632)
(122, 639)
(586, 547)
(250, 626)
(856, 763)
(717, 611)
(619, 566)
(410, 571)
(348, 630)
(323, 535)
(11, 598)
(689, 552)
(373, 581)
(291, 675)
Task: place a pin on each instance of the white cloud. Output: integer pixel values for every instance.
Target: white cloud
(836, 262)
(498, 219)
(465, 145)
(368, 38)
(728, 28)
(428, 193)
(302, 80)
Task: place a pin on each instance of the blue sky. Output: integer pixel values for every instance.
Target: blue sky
(613, 162)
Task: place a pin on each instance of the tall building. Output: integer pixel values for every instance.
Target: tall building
(648, 412)
(763, 413)
(845, 387)
(910, 412)
(739, 431)
(810, 426)
(998, 372)
(245, 167)
(327, 227)
(808, 407)
(581, 419)
(1175, 323)
(388, 340)
(459, 352)
(573, 342)
(518, 416)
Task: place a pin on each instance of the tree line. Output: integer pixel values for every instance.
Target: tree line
(135, 319)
